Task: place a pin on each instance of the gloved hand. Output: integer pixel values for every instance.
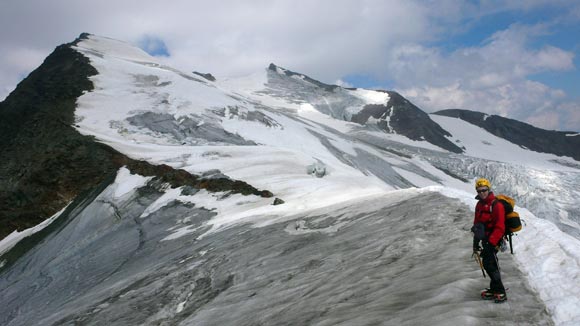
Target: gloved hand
(477, 249)
(498, 247)
(502, 245)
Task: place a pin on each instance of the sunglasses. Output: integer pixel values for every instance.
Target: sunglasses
(479, 191)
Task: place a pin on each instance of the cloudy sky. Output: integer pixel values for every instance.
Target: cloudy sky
(518, 59)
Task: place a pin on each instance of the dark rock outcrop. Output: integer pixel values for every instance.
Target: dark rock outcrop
(533, 138)
(187, 130)
(207, 76)
(289, 73)
(45, 161)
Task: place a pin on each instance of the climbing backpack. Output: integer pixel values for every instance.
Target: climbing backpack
(513, 222)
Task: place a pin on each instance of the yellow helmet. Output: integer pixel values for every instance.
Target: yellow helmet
(481, 182)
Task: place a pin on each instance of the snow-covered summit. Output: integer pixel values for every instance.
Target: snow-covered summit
(105, 46)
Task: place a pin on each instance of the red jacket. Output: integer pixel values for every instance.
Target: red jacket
(494, 220)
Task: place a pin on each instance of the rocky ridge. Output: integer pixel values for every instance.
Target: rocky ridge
(47, 163)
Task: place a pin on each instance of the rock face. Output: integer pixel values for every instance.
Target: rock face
(288, 73)
(46, 162)
(523, 134)
(207, 76)
(401, 116)
(188, 130)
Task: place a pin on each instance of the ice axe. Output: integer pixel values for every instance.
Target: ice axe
(478, 260)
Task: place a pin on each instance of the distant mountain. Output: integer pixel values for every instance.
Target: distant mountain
(395, 115)
(540, 140)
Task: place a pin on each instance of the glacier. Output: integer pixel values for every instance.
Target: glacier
(381, 239)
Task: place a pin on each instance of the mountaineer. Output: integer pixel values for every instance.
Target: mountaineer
(489, 230)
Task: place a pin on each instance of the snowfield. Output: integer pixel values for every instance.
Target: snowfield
(382, 238)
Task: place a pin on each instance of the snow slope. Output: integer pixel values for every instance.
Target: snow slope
(370, 242)
(371, 260)
(481, 144)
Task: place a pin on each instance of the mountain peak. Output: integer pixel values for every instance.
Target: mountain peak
(289, 73)
(273, 67)
(388, 110)
(112, 47)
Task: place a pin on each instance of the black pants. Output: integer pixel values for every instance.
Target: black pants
(491, 265)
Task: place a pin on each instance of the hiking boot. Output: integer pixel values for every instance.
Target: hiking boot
(487, 294)
(499, 297)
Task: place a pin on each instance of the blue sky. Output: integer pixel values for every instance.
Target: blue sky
(567, 38)
(154, 46)
(518, 59)
(476, 32)
(564, 35)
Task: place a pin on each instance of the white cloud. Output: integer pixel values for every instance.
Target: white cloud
(326, 39)
(492, 77)
(571, 118)
(564, 116)
(545, 120)
(503, 58)
(153, 45)
(15, 64)
(342, 83)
